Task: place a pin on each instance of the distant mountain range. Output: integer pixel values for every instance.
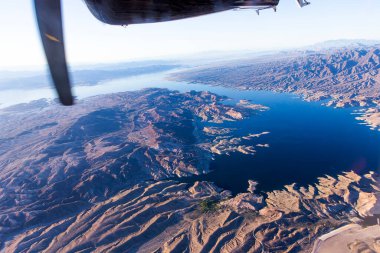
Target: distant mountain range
(347, 76)
(95, 73)
(334, 44)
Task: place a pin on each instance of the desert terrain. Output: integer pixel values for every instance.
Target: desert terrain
(111, 190)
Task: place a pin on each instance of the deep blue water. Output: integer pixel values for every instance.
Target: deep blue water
(307, 140)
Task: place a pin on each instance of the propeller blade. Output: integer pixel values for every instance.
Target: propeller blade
(49, 19)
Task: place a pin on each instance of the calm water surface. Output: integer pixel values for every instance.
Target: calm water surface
(306, 140)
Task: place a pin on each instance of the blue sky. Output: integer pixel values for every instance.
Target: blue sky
(89, 41)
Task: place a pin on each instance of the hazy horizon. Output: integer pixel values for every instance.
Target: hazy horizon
(210, 54)
(89, 41)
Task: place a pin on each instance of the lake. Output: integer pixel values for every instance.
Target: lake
(307, 140)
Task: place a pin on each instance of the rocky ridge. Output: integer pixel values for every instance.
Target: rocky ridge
(165, 216)
(56, 161)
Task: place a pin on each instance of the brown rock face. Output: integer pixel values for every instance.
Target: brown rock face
(346, 195)
(165, 216)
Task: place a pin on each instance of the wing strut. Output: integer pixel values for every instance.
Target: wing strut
(49, 19)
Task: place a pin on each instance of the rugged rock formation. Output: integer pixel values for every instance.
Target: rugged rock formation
(56, 161)
(94, 178)
(349, 194)
(164, 216)
(217, 130)
(226, 144)
(346, 76)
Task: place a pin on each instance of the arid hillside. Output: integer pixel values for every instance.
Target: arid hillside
(55, 161)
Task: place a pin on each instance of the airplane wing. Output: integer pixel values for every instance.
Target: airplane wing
(49, 19)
